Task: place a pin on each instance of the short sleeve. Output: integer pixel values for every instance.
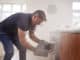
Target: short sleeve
(32, 28)
(23, 23)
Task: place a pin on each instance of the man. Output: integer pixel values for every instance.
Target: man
(12, 31)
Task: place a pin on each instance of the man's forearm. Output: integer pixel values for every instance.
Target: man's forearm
(21, 36)
(34, 38)
(26, 44)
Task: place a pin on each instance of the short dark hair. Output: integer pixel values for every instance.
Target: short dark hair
(40, 13)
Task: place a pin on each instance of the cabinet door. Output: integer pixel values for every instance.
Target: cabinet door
(69, 46)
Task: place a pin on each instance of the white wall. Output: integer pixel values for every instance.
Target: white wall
(13, 1)
(61, 17)
(57, 20)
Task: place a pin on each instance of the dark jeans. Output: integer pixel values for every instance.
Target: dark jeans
(8, 47)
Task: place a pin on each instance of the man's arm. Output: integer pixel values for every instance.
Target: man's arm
(21, 35)
(48, 46)
(33, 37)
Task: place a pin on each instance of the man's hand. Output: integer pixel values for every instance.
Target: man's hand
(40, 51)
(48, 46)
(43, 48)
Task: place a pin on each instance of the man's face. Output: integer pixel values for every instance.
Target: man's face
(36, 20)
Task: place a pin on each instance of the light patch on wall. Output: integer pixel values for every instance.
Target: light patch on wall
(51, 9)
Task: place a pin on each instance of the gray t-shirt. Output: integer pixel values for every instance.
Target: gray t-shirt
(15, 21)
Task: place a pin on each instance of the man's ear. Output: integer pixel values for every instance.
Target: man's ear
(35, 17)
(32, 17)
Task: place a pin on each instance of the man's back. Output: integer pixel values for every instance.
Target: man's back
(18, 20)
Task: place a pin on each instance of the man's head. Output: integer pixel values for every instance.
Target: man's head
(38, 17)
